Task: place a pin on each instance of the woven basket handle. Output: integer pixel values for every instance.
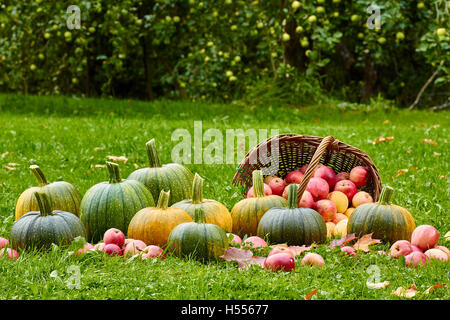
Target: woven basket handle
(326, 142)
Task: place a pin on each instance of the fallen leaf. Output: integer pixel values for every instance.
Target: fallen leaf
(136, 165)
(378, 285)
(413, 168)
(316, 120)
(382, 139)
(364, 242)
(405, 293)
(99, 148)
(387, 121)
(436, 154)
(116, 159)
(429, 141)
(401, 172)
(340, 242)
(235, 254)
(435, 126)
(297, 250)
(100, 166)
(436, 286)
(309, 295)
(10, 168)
(255, 260)
(7, 153)
(409, 151)
(12, 164)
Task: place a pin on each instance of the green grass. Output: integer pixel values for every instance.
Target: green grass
(60, 135)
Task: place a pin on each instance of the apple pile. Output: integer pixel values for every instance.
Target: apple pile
(334, 196)
(422, 247)
(4, 250)
(115, 244)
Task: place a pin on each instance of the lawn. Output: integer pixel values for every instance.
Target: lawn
(68, 137)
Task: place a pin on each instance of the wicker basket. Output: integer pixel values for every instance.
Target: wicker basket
(295, 150)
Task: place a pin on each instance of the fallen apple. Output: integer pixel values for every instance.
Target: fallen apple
(425, 237)
(400, 248)
(114, 236)
(313, 259)
(280, 262)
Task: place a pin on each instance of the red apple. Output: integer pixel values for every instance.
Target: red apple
(269, 178)
(360, 198)
(112, 249)
(294, 177)
(327, 174)
(318, 188)
(425, 237)
(267, 191)
(280, 262)
(327, 209)
(153, 252)
(436, 254)
(114, 236)
(254, 242)
(400, 248)
(134, 247)
(12, 254)
(359, 176)
(342, 176)
(280, 250)
(235, 240)
(349, 251)
(339, 217)
(83, 250)
(3, 242)
(303, 168)
(347, 187)
(416, 248)
(444, 249)
(307, 200)
(277, 185)
(313, 259)
(98, 247)
(415, 258)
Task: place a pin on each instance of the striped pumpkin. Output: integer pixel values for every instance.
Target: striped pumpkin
(386, 221)
(173, 176)
(154, 224)
(112, 204)
(247, 213)
(63, 195)
(39, 229)
(198, 239)
(292, 225)
(215, 212)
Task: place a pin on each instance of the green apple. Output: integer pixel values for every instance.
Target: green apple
(91, 29)
(122, 55)
(229, 73)
(32, 67)
(295, 5)
(55, 27)
(124, 11)
(233, 27)
(274, 54)
(307, 52)
(74, 80)
(286, 37)
(381, 40)
(320, 1)
(215, 14)
(237, 58)
(320, 9)
(47, 35)
(67, 34)
(299, 29)
(168, 18)
(354, 18)
(441, 32)
(260, 25)
(312, 19)
(360, 35)
(336, 1)
(336, 14)
(228, 1)
(400, 36)
(420, 5)
(232, 78)
(41, 56)
(304, 42)
(209, 44)
(139, 22)
(176, 19)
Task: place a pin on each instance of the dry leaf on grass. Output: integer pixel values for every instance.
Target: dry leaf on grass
(116, 159)
(100, 166)
(382, 139)
(309, 295)
(378, 285)
(7, 153)
(436, 286)
(99, 148)
(429, 141)
(436, 154)
(364, 242)
(405, 293)
(340, 242)
(135, 165)
(255, 260)
(10, 168)
(244, 258)
(401, 172)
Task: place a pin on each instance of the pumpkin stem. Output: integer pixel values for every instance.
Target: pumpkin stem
(386, 195)
(258, 184)
(45, 206)
(114, 173)
(199, 215)
(293, 196)
(153, 157)
(197, 189)
(163, 200)
(39, 175)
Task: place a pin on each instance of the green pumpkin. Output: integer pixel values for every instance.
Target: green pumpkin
(247, 213)
(112, 204)
(200, 240)
(173, 176)
(215, 212)
(63, 195)
(293, 225)
(386, 221)
(39, 229)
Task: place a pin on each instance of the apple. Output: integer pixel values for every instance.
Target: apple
(360, 35)
(294, 177)
(342, 176)
(320, 9)
(318, 188)
(98, 247)
(299, 29)
(12, 254)
(436, 254)
(441, 32)
(285, 37)
(303, 168)
(339, 217)
(360, 198)
(339, 199)
(359, 176)
(152, 252)
(415, 258)
(47, 35)
(114, 236)
(327, 209)
(330, 229)
(3, 242)
(420, 5)
(348, 251)
(83, 250)
(304, 42)
(444, 249)
(280, 262)
(400, 248)
(341, 228)
(277, 185)
(267, 190)
(32, 67)
(381, 40)
(400, 36)
(347, 187)
(354, 18)
(425, 237)
(416, 248)
(349, 212)
(254, 242)
(281, 250)
(134, 247)
(313, 259)
(312, 19)
(447, 236)
(235, 240)
(112, 249)
(295, 5)
(307, 200)
(327, 174)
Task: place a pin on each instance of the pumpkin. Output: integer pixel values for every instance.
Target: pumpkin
(173, 176)
(215, 212)
(247, 212)
(63, 195)
(39, 229)
(112, 204)
(292, 225)
(386, 221)
(198, 239)
(154, 224)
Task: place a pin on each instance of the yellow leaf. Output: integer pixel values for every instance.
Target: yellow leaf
(364, 242)
(309, 295)
(405, 293)
(116, 159)
(379, 285)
